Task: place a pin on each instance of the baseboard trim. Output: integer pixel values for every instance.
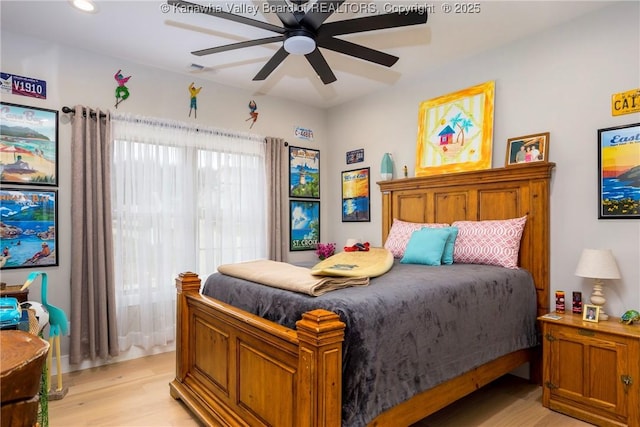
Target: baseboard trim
(132, 353)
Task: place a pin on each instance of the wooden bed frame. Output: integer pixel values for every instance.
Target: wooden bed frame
(237, 369)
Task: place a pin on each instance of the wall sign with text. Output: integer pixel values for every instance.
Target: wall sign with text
(12, 84)
(302, 133)
(625, 102)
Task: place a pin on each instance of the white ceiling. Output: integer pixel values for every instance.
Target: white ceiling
(139, 31)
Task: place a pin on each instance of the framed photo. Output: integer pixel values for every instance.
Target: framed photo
(590, 313)
(304, 231)
(355, 195)
(30, 233)
(28, 145)
(304, 173)
(455, 131)
(528, 149)
(618, 171)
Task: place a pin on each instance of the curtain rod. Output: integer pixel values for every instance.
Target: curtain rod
(129, 118)
(92, 113)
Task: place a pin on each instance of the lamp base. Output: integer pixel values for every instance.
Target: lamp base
(597, 298)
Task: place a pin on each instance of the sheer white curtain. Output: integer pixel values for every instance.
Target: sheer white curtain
(183, 199)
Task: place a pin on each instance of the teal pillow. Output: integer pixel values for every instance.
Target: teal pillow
(447, 255)
(426, 246)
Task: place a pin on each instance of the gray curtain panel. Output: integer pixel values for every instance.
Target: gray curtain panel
(275, 159)
(93, 308)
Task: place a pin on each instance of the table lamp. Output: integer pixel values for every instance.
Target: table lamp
(598, 264)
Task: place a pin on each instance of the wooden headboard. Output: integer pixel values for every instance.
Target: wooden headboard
(499, 193)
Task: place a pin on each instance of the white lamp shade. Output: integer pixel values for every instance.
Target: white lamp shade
(597, 264)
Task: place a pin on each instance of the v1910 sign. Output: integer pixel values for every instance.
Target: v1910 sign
(12, 84)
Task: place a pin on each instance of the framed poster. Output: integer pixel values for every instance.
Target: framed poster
(619, 172)
(455, 131)
(527, 149)
(304, 230)
(304, 173)
(30, 232)
(355, 195)
(28, 145)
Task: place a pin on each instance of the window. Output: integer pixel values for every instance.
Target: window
(183, 199)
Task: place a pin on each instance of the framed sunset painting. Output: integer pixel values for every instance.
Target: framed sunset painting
(619, 172)
(355, 195)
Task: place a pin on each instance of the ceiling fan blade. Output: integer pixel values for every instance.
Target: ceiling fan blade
(375, 22)
(319, 64)
(238, 45)
(272, 64)
(359, 51)
(319, 12)
(284, 12)
(213, 10)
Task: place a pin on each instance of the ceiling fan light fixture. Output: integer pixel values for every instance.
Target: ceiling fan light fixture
(84, 5)
(299, 45)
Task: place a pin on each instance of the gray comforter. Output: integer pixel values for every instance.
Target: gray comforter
(410, 329)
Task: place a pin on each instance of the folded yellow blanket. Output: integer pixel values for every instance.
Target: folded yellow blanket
(290, 277)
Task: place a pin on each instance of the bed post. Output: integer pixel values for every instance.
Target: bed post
(320, 334)
(185, 283)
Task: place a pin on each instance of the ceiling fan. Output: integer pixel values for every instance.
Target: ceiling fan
(303, 32)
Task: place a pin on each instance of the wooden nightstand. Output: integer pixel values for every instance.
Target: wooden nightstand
(591, 370)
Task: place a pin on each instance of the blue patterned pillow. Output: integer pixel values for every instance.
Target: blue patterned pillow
(426, 246)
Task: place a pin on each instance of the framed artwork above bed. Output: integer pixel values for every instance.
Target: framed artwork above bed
(304, 230)
(527, 149)
(455, 131)
(304, 173)
(355, 195)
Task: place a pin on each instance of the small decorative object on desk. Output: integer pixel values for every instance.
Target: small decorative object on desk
(630, 316)
(325, 250)
(577, 302)
(560, 301)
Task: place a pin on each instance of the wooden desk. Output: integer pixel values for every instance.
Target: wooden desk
(14, 291)
(21, 362)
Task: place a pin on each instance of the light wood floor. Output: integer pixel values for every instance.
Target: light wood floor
(136, 394)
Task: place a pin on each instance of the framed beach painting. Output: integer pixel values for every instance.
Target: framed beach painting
(30, 228)
(304, 231)
(304, 173)
(619, 172)
(455, 131)
(355, 195)
(28, 145)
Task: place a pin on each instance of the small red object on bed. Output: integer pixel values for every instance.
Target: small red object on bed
(364, 247)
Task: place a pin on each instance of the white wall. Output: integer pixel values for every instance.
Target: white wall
(559, 81)
(79, 77)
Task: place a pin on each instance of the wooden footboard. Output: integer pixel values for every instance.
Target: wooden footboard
(233, 368)
(237, 369)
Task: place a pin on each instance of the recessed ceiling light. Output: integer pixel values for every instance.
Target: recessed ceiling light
(84, 5)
